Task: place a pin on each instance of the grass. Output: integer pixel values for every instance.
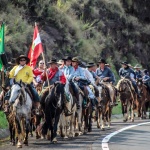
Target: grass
(3, 121)
(117, 110)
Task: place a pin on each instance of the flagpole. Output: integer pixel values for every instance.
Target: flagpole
(45, 66)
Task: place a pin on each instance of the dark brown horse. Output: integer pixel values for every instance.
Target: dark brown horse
(145, 97)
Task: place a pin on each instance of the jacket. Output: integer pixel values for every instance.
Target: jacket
(25, 74)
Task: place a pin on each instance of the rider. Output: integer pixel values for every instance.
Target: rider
(127, 72)
(105, 74)
(37, 73)
(146, 79)
(138, 71)
(55, 75)
(67, 72)
(23, 72)
(77, 74)
(90, 78)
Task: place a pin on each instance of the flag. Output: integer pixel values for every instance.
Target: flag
(36, 49)
(1, 43)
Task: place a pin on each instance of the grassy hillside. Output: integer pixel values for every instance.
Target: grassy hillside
(114, 29)
(3, 121)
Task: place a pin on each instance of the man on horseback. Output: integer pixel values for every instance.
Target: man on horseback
(127, 72)
(55, 75)
(67, 72)
(104, 72)
(24, 73)
(138, 71)
(106, 75)
(77, 75)
(146, 79)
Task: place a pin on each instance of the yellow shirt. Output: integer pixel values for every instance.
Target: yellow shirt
(25, 74)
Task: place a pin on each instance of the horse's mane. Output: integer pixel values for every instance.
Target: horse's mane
(126, 81)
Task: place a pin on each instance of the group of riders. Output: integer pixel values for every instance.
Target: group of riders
(77, 73)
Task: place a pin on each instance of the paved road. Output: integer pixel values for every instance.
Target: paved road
(135, 138)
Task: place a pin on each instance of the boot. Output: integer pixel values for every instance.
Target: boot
(77, 102)
(93, 104)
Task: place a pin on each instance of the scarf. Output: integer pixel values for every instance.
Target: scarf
(18, 69)
(52, 73)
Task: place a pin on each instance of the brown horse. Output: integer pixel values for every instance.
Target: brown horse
(144, 99)
(128, 98)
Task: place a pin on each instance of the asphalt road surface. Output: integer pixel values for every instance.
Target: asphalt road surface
(121, 136)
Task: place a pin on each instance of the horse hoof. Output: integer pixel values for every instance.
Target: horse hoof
(89, 130)
(103, 129)
(48, 137)
(54, 140)
(19, 146)
(25, 143)
(132, 120)
(31, 135)
(125, 120)
(71, 135)
(65, 137)
(76, 134)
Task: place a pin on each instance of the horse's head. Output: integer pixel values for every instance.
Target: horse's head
(16, 90)
(139, 84)
(122, 85)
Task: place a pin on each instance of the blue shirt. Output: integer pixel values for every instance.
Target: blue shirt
(105, 73)
(78, 72)
(67, 71)
(146, 78)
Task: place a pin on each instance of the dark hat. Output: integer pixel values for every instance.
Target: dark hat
(145, 71)
(22, 56)
(67, 58)
(52, 61)
(102, 61)
(75, 59)
(91, 64)
(125, 63)
(82, 64)
(12, 62)
(137, 66)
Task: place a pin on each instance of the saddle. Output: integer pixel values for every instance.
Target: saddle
(27, 89)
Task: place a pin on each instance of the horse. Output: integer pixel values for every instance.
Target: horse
(145, 97)
(21, 110)
(53, 107)
(128, 98)
(104, 113)
(68, 121)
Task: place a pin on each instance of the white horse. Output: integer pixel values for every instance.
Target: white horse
(22, 104)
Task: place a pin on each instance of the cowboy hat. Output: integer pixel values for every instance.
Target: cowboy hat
(67, 58)
(102, 61)
(125, 63)
(22, 56)
(60, 62)
(108, 65)
(75, 59)
(137, 66)
(52, 61)
(12, 62)
(91, 64)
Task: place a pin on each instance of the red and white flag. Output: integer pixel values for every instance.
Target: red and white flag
(36, 49)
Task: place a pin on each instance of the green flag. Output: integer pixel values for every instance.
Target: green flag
(1, 43)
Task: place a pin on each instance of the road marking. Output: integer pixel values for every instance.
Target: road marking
(108, 137)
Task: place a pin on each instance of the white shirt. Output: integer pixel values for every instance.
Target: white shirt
(88, 76)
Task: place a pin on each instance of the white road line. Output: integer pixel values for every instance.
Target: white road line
(108, 137)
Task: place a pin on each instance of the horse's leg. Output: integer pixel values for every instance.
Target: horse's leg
(132, 109)
(109, 117)
(103, 121)
(71, 134)
(27, 127)
(18, 128)
(54, 139)
(90, 118)
(98, 118)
